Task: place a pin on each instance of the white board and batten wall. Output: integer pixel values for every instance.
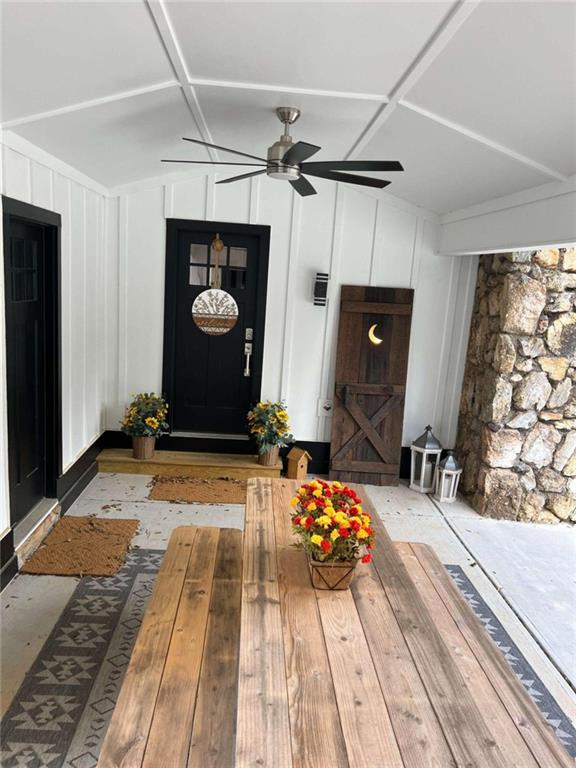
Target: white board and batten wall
(358, 237)
(113, 257)
(35, 177)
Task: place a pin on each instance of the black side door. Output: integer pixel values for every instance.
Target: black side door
(26, 365)
(212, 379)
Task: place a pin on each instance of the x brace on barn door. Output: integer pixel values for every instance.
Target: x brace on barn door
(348, 394)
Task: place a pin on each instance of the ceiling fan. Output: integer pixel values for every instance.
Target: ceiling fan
(288, 161)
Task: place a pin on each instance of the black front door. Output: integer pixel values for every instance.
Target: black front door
(212, 372)
(25, 355)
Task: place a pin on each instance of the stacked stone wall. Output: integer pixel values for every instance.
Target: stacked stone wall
(517, 426)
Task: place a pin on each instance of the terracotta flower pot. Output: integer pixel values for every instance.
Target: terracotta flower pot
(143, 447)
(331, 575)
(270, 458)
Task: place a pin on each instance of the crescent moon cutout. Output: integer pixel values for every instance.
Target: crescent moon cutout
(372, 335)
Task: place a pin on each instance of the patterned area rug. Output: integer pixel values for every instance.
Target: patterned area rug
(60, 714)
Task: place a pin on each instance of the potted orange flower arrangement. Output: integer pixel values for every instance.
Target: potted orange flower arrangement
(333, 529)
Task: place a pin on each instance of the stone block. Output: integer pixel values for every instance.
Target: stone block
(551, 481)
(533, 391)
(560, 302)
(561, 336)
(540, 445)
(570, 467)
(531, 346)
(523, 300)
(555, 367)
(522, 420)
(501, 449)
(504, 354)
(502, 494)
(561, 505)
(524, 364)
(532, 505)
(565, 451)
(560, 394)
(550, 415)
(547, 257)
(497, 399)
(569, 260)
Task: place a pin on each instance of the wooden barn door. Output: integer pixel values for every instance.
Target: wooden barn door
(370, 384)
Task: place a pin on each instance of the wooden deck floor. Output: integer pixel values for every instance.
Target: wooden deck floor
(240, 663)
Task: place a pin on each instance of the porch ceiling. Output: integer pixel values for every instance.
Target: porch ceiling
(477, 99)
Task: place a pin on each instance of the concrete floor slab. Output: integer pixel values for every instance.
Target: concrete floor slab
(534, 567)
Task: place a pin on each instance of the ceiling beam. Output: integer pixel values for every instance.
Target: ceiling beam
(511, 153)
(431, 50)
(169, 40)
(92, 103)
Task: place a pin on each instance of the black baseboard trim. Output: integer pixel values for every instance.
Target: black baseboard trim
(71, 484)
(8, 559)
(8, 572)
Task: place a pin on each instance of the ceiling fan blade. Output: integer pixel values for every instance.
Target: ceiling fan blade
(239, 178)
(353, 165)
(214, 162)
(350, 178)
(224, 149)
(303, 186)
(299, 152)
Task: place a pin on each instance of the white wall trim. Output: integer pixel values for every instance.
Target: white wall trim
(292, 261)
(233, 84)
(89, 104)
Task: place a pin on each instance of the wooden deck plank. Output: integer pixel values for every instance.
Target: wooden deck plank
(128, 731)
(186, 464)
(466, 732)
(536, 733)
(419, 734)
(214, 731)
(491, 708)
(263, 723)
(177, 694)
(317, 739)
(366, 725)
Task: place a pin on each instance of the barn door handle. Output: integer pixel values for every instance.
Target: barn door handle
(248, 355)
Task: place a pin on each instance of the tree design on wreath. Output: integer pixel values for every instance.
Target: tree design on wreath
(215, 312)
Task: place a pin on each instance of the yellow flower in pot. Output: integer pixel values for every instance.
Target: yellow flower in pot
(144, 421)
(268, 424)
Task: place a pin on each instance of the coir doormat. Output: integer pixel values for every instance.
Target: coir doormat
(219, 490)
(83, 546)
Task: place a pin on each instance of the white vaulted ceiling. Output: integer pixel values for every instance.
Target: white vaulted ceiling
(476, 99)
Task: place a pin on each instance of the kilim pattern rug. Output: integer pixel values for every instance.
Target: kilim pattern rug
(60, 714)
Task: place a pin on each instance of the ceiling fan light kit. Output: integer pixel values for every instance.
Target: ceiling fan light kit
(286, 161)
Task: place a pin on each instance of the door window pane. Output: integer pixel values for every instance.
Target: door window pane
(198, 253)
(197, 275)
(238, 257)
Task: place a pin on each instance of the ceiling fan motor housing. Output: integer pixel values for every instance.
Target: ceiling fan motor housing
(275, 154)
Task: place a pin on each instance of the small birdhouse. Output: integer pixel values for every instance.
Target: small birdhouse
(298, 460)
